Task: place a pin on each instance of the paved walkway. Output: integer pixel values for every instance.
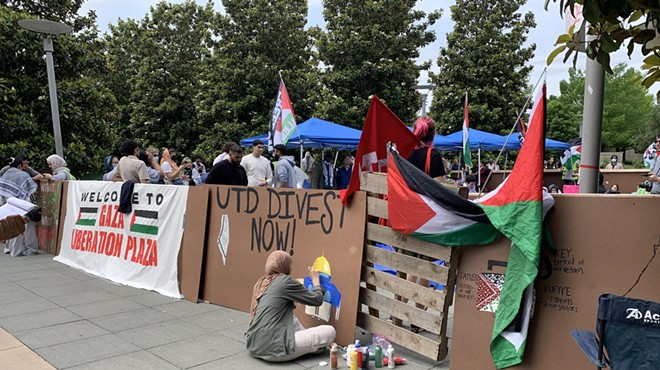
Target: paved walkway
(55, 316)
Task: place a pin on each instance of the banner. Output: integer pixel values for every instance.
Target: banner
(140, 248)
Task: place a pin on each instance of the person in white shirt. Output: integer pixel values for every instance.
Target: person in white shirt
(225, 152)
(257, 167)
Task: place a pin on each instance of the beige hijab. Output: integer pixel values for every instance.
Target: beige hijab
(278, 263)
(167, 158)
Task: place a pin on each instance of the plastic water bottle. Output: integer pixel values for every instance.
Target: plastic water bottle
(378, 356)
(390, 357)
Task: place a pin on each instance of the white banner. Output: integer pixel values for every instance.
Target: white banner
(139, 248)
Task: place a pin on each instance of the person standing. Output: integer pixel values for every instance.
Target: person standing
(16, 183)
(130, 167)
(257, 167)
(225, 152)
(344, 173)
(614, 163)
(229, 171)
(654, 175)
(328, 172)
(285, 174)
(60, 170)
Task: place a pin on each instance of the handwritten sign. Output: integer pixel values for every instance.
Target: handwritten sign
(245, 224)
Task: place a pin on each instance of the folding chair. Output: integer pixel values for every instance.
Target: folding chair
(628, 330)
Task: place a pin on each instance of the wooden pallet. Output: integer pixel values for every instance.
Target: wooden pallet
(382, 307)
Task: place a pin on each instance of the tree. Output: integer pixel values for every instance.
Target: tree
(260, 39)
(627, 110)
(565, 111)
(366, 53)
(87, 107)
(484, 57)
(155, 68)
(612, 24)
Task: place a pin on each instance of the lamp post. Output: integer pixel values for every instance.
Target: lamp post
(424, 91)
(50, 28)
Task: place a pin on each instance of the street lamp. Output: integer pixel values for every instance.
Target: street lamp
(424, 91)
(50, 28)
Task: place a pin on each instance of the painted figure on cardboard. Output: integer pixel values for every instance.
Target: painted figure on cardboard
(332, 296)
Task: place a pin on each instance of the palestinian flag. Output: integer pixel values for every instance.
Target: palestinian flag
(422, 207)
(145, 222)
(515, 208)
(283, 120)
(571, 156)
(467, 155)
(87, 216)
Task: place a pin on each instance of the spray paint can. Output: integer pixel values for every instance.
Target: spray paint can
(378, 356)
(365, 358)
(353, 355)
(334, 357)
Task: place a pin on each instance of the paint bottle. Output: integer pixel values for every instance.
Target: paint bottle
(378, 356)
(334, 357)
(365, 358)
(359, 353)
(349, 349)
(390, 357)
(397, 361)
(353, 355)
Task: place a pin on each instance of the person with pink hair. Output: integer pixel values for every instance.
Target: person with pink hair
(424, 156)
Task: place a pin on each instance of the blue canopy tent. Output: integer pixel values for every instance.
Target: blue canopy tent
(317, 133)
(478, 140)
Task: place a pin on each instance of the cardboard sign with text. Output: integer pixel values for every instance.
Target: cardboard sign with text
(603, 244)
(245, 224)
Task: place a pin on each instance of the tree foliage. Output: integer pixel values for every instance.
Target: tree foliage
(627, 109)
(484, 57)
(87, 107)
(155, 66)
(371, 49)
(259, 40)
(613, 24)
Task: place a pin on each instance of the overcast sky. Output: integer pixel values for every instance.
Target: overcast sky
(549, 26)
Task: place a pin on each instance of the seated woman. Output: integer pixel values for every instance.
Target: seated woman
(275, 334)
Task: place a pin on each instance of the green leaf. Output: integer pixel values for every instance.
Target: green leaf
(652, 59)
(554, 54)
(607, 44)
(562, 39)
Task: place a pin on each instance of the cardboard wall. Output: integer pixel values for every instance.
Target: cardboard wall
(306, 223)
(603, 243)
(628, 180)
(48, 197)
(192, 244)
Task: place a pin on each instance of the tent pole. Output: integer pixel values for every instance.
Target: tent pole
(301, 151)
(479, 169)
(336, 156)
(506, 159)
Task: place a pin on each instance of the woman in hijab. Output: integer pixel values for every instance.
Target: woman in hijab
(274, 333)
(170, 169)
(16, 183)
(60, 171)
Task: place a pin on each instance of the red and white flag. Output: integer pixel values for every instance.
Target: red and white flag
(380, 127)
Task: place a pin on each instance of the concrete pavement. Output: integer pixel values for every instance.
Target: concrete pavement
(55, 316)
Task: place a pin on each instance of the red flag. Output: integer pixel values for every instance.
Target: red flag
(380, 127)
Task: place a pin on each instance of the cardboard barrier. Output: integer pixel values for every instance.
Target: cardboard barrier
(245, 224)
(49, 197)
(603, 244)
(384, 293)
